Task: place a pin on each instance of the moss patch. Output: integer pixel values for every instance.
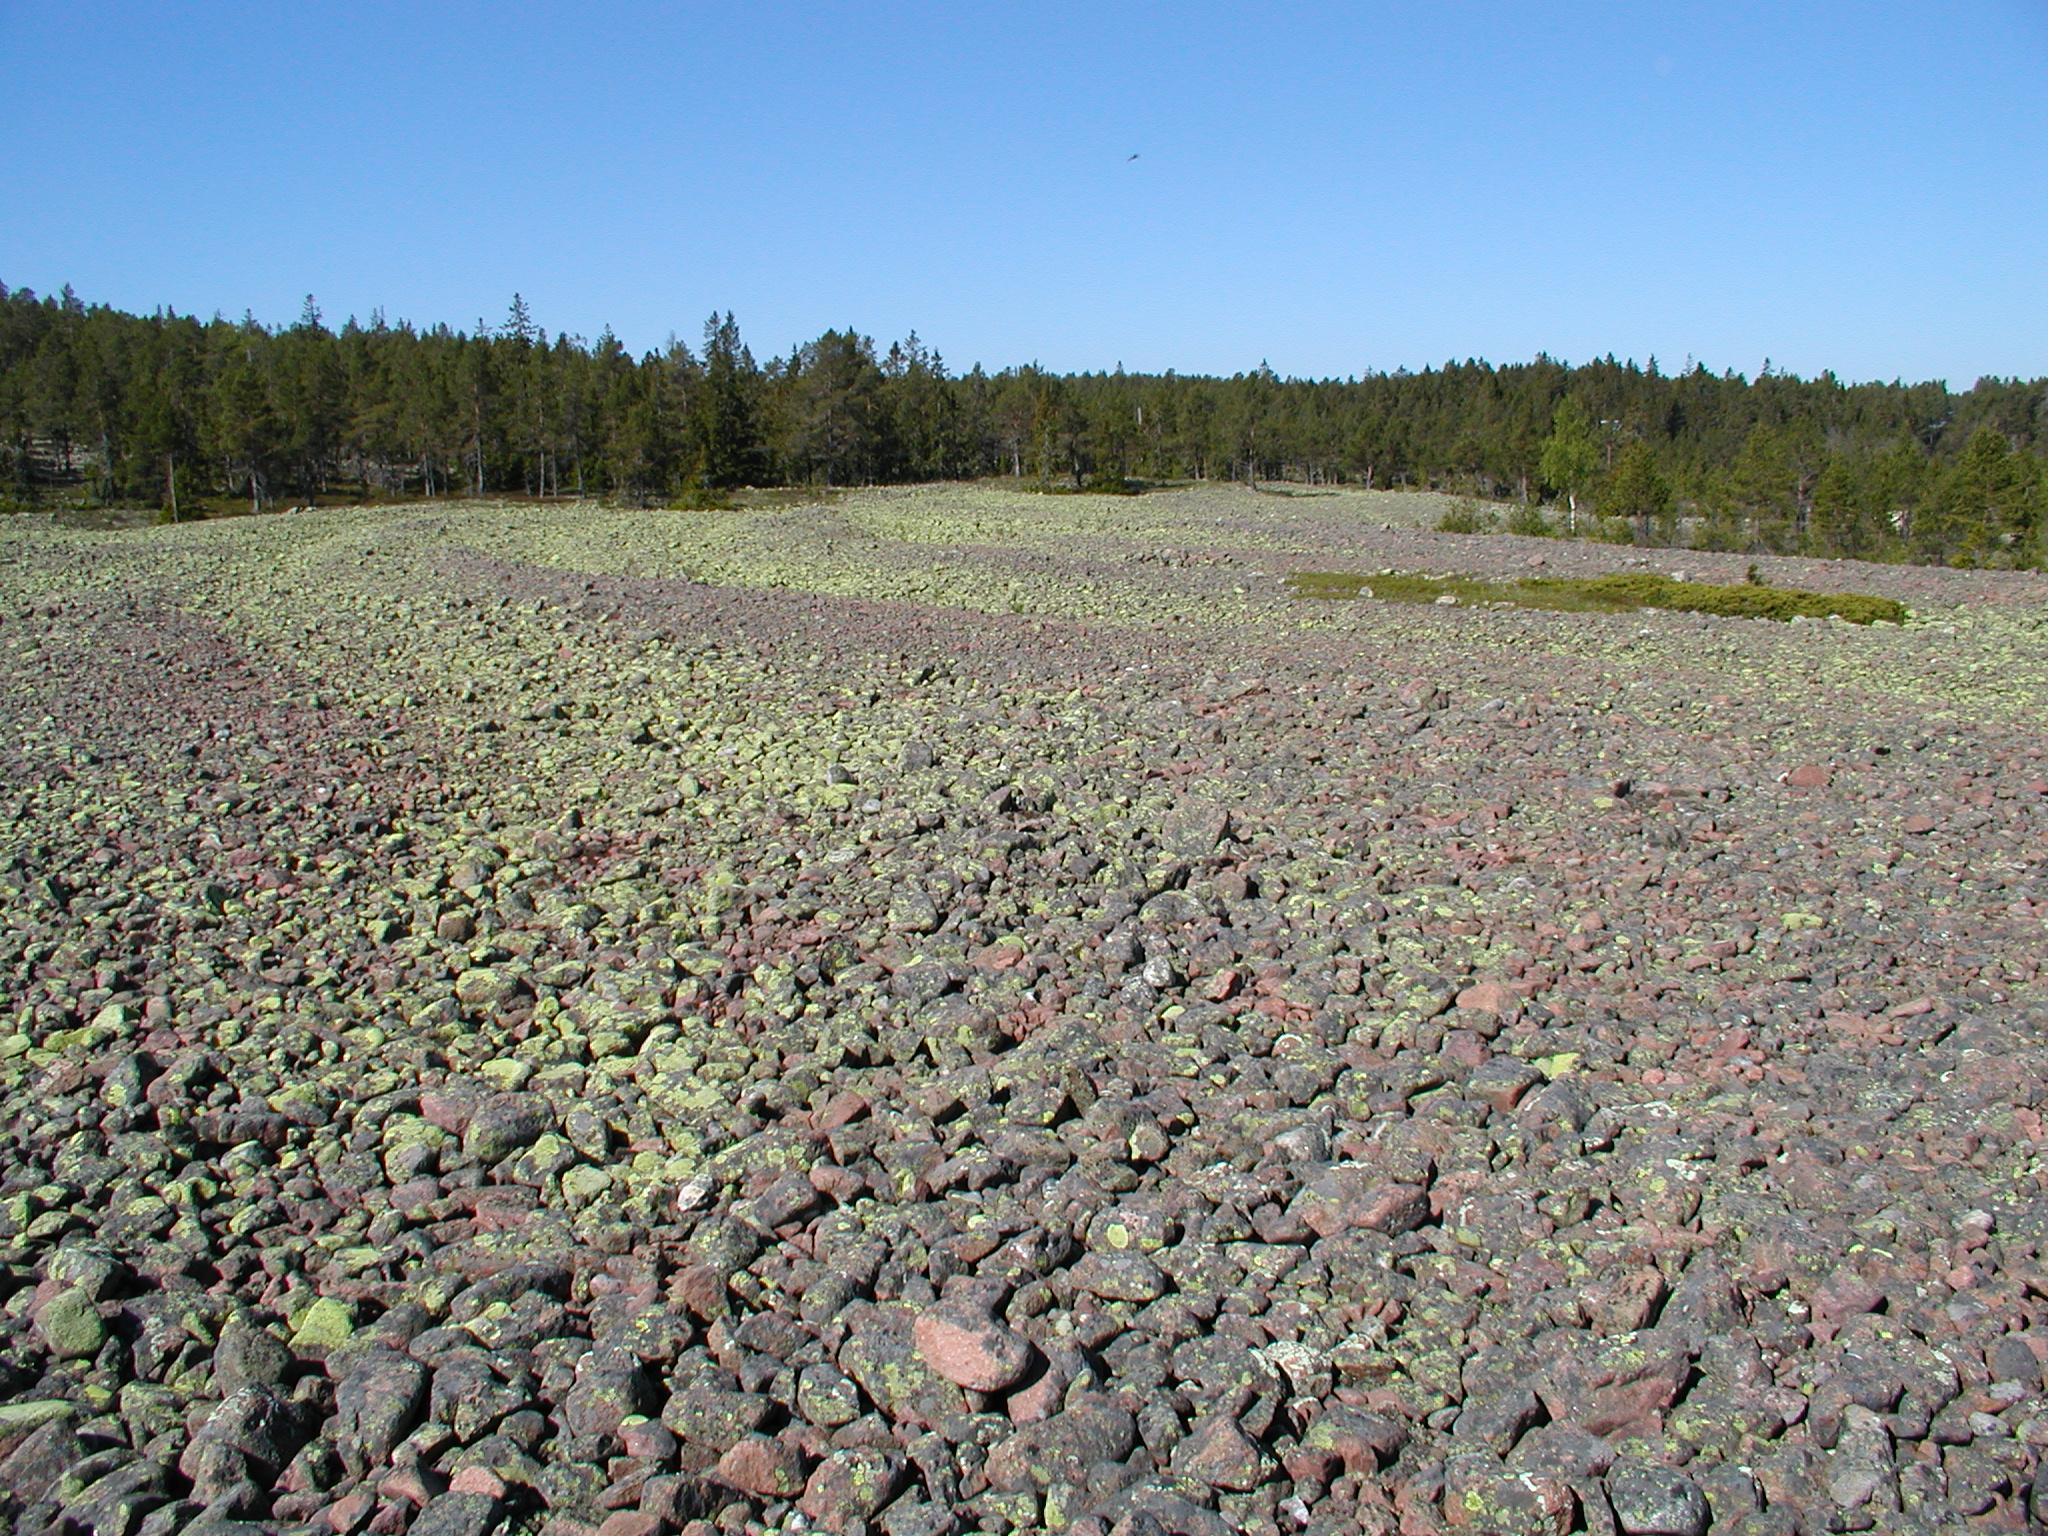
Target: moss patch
(1624, 592)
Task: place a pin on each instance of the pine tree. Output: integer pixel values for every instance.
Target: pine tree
(167, 427)
(1984, 507)
(245, 430)
(1637, 490)
(838, 421)
(1765, 485)
(647, 441)
(1842, 525)
(922, 411)
(311, 397)
(1898, 486)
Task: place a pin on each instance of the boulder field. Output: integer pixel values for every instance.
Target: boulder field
(951, 1010)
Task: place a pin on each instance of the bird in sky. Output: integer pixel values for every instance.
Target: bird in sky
(1129, 158)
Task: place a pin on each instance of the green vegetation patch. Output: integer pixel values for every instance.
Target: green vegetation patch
(1624, 592)
(1103, 483)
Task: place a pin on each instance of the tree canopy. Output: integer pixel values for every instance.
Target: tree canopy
(170, 410)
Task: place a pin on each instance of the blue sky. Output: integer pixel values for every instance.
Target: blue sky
(1331, 188)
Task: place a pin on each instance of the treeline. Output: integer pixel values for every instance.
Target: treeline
(171, 410)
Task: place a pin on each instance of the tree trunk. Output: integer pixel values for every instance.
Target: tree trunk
(171, 479)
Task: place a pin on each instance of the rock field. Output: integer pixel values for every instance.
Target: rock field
(952, 1010)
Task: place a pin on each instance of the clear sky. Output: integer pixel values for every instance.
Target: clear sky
(1332, 188)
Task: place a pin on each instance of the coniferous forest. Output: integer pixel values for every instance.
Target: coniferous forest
(167, 410)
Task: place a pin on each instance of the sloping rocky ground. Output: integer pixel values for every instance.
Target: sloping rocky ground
(953, 1011)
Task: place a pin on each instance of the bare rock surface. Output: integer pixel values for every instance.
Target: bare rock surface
(952, 1011)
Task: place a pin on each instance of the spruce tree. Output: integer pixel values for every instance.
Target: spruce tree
(724, 421)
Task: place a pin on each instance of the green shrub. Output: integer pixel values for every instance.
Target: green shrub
(700, 498)
(1105, 482)
(1465, 516)
(1528, 520)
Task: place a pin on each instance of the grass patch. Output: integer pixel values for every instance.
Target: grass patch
(1287, 488)
(780, 497)
(1624, 592)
